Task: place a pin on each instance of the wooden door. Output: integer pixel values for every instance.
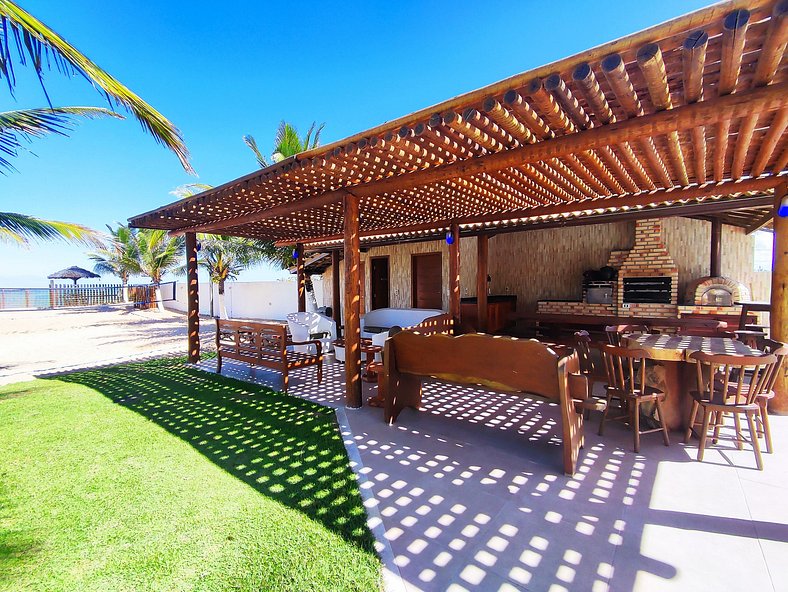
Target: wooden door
(379, 283)
(427, 280)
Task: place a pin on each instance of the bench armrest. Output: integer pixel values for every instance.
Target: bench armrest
(315, 342)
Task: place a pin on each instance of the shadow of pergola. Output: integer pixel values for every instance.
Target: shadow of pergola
(471, 497)
(286, 448)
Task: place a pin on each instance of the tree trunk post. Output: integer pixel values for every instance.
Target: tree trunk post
(193, 299)
(481, 282)
(454, 276)
(335, 294)
(715, 262)
(778, 317)
(352, 247)
(301, 277)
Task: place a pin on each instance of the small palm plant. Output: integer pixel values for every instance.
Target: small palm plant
(159, 253)
(286, 143)
(121, 258)
(225, 257)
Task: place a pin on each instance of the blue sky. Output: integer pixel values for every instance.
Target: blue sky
(219, 71)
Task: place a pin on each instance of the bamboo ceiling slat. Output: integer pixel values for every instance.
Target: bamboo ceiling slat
(552, 144)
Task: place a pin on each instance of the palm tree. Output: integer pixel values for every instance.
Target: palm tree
(159, 253)
(286, 143)
(121, 258)
(28, 41)
(225, 257)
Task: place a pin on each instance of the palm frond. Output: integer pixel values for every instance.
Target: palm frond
(189, 189)
(250, 141)
(22, 229)
(33, 43)
(34, 123)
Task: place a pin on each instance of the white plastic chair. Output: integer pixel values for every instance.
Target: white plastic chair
(305, 326)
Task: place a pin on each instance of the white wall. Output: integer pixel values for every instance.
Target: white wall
(250, 300)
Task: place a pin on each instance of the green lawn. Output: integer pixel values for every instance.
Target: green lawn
(158, 477)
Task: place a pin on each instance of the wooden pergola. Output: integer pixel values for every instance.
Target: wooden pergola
(685, 118)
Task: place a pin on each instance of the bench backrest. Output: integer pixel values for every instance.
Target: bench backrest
(402, 317)
(504, 363)
(440, 323)
(251, 337)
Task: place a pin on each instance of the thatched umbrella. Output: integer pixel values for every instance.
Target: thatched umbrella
(72, 273)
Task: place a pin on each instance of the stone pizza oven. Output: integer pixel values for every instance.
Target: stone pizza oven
(716, 291)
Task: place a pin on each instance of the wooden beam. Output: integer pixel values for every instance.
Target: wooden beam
(454, 275)
(715, 262)
(335, 291)
(693, 61)
(641, 200)
(352, 302)
(769, 98)
(760, 222)
(734, 33)
(307, 203)
(482, 251)
(778, 317)
(736, 105)
(300, 277)
(192, 299)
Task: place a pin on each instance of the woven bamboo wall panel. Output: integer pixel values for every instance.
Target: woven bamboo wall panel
(549, 264)
(689, 242)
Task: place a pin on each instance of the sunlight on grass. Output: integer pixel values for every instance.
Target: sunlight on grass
(154, 476)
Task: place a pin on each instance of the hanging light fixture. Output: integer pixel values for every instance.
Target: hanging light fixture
(295, 253)
(449, 238)
(782, 211)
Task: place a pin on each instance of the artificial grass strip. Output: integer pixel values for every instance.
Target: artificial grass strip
(155, 476)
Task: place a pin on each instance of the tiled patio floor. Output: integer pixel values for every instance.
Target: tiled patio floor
(472, 497)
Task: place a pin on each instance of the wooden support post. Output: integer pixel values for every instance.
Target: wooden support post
(778, 317)
(336, 311)
(454, 276)
(481, 282)
(301, 278)
(352, 301)
(193, 299)
(715, 263)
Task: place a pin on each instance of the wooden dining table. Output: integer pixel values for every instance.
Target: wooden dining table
(679, 376)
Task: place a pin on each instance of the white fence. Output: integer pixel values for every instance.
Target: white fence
(250, 300)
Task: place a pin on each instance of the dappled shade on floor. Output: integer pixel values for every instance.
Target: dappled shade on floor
(286, 448)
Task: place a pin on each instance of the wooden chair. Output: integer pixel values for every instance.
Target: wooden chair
(780, 351)
(614, 332)
(730, 384)
(626, 375)
(588, 367)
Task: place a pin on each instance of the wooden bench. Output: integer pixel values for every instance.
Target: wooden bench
(503, 363)
(264, 344)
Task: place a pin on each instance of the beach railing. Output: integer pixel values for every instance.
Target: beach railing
(63, 296)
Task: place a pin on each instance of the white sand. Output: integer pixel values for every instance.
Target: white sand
(44, 341)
